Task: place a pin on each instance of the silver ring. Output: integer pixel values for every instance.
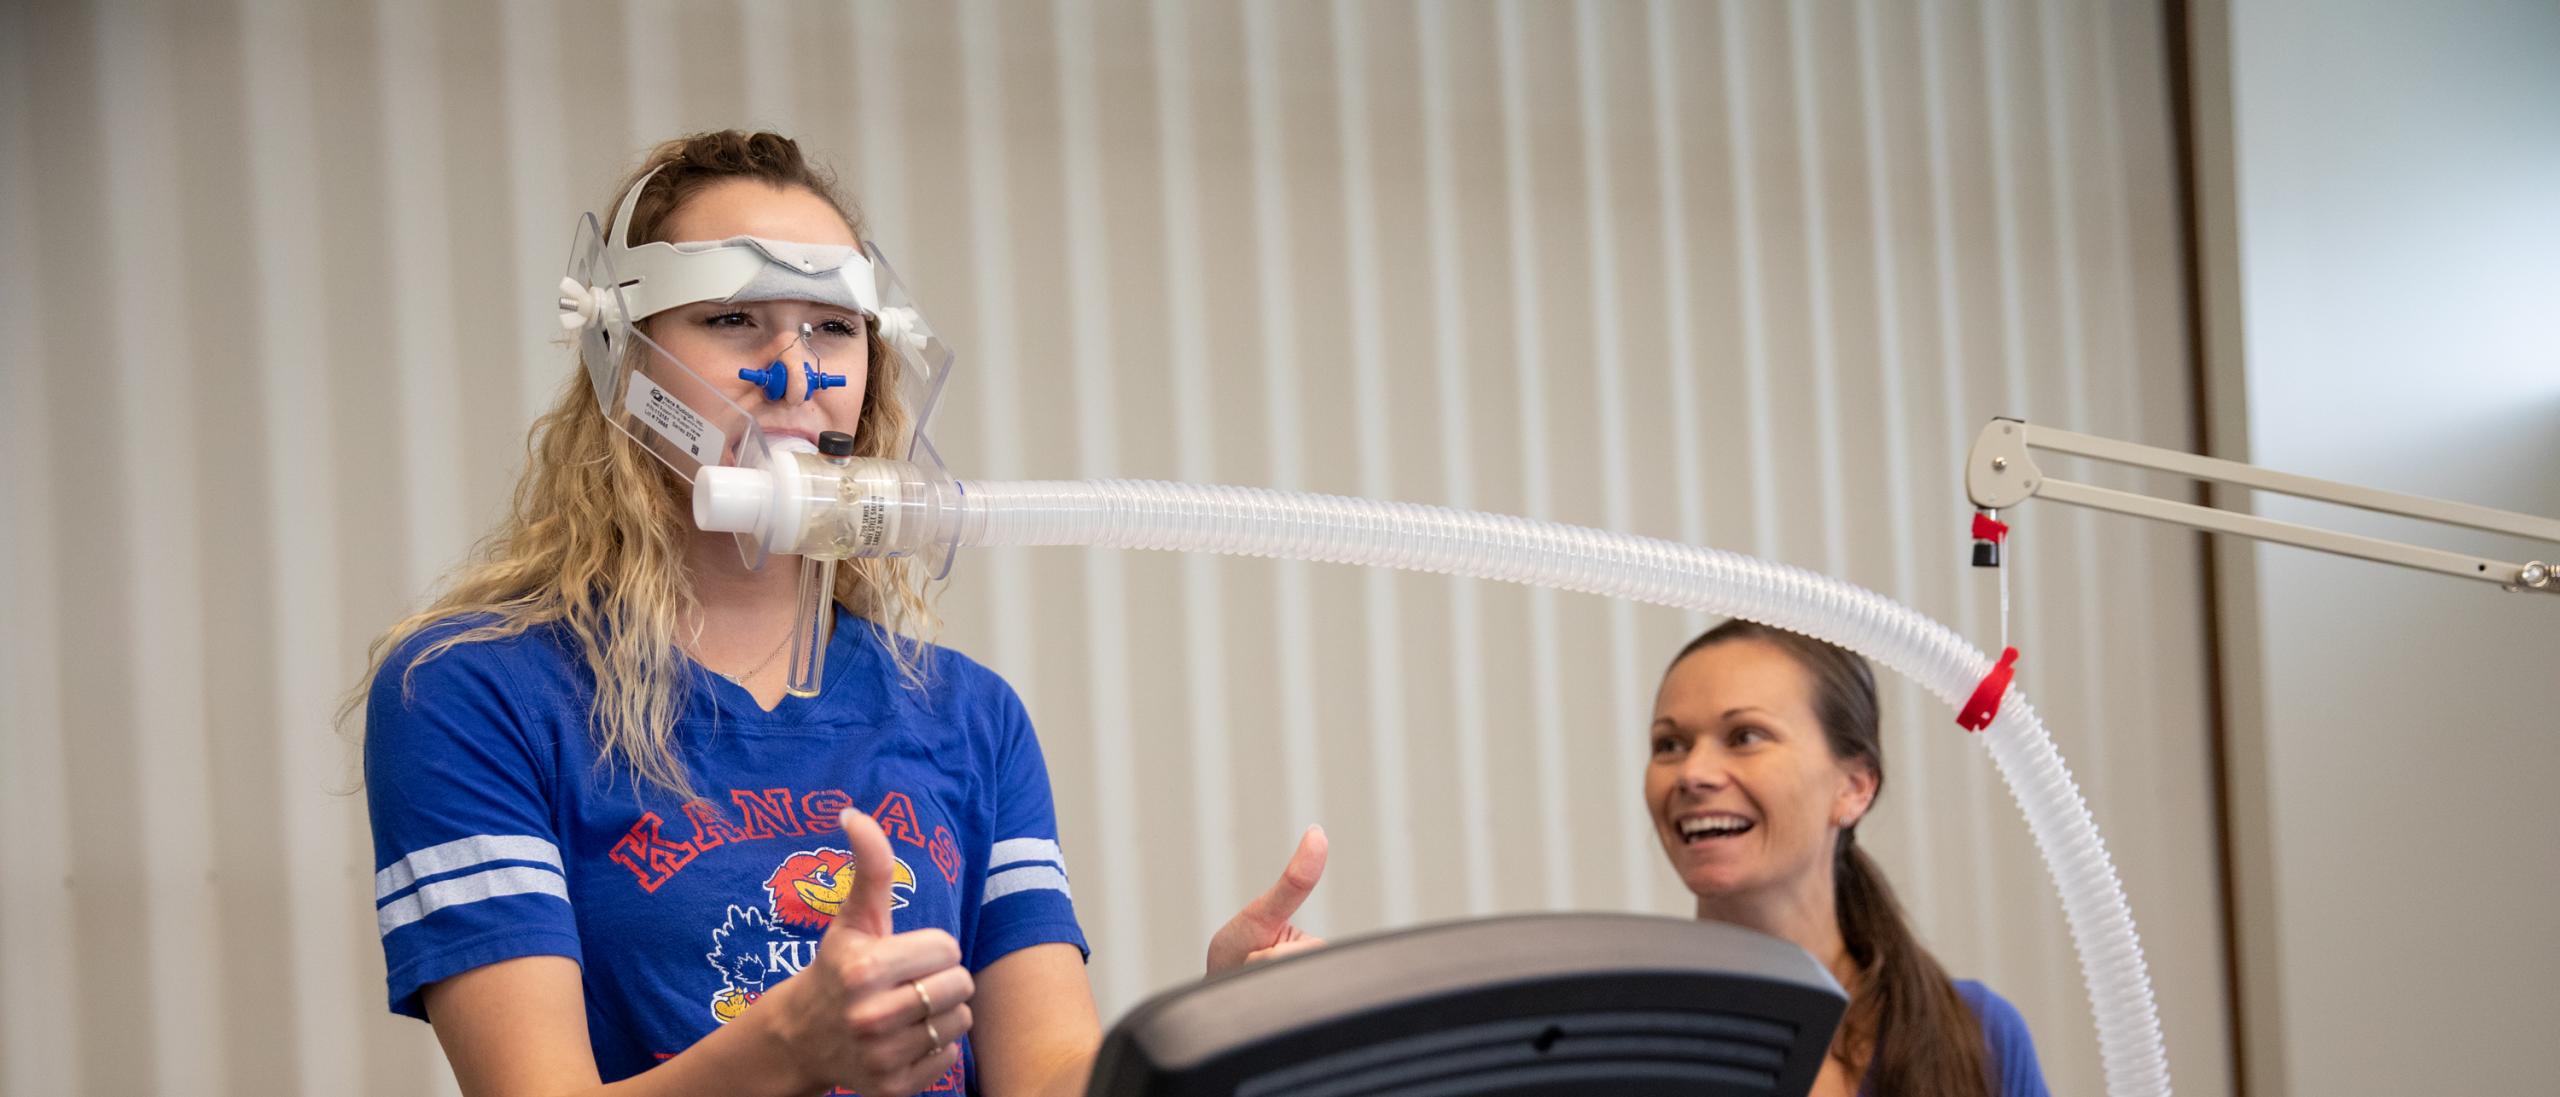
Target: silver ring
(918, 986)
(930, 1034)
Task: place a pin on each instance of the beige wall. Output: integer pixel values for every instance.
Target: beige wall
(1748, 275)
(2395, 250)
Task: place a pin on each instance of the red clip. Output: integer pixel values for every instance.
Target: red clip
(1988, 528)
(1986, 696)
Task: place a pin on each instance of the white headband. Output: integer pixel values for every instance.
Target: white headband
(659, 276)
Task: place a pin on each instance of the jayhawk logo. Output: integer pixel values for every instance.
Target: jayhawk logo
(810, 887)
(762, 945)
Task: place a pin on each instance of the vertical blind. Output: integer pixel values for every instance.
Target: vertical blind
(1745, 274)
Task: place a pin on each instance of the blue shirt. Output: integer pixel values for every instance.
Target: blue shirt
(2011, 1051)
(497, 832)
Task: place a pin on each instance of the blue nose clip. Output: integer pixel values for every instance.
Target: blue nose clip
(773, 379)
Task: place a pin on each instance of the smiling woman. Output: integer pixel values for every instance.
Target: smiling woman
(1766, 754)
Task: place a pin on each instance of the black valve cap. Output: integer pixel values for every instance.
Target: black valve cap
(1986, 554)
(835, 443)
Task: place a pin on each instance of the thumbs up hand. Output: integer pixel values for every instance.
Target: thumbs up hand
(878, 1012)
(1262, 930)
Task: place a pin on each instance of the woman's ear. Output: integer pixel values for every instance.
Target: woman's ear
(1858, 785)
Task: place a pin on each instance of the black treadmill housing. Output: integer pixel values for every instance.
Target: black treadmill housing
(1522, 1006)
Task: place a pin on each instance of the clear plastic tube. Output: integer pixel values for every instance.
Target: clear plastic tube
(1298, 526)
(815, 609)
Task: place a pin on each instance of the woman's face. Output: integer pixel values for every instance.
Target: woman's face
(716, 340)
(1743, 789)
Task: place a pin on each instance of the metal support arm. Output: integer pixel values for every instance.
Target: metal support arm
(2000, 473)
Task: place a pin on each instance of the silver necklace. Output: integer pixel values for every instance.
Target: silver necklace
(741, 677)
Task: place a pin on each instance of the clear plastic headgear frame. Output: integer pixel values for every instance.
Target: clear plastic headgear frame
(679, 414)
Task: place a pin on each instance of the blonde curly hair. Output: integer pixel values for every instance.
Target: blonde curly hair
(594, 538)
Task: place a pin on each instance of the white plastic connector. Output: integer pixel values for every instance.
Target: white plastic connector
(729, 499)
(759, 501)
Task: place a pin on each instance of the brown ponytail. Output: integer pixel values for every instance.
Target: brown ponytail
(1905, 1022)
(1918, 1035)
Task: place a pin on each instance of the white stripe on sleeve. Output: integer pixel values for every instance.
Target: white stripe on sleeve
(1026, 878)
(1017, 850)
(465, 890)
(462, 853)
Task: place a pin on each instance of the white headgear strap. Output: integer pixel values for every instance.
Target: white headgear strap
(659, 276)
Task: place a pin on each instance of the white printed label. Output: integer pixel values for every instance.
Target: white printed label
(681, 426)
(872, 528)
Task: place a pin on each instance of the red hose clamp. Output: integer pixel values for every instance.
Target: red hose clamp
(1988, 532)
(1985, 703)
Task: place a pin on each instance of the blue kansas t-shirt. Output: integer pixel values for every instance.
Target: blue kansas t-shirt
(497, 834)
